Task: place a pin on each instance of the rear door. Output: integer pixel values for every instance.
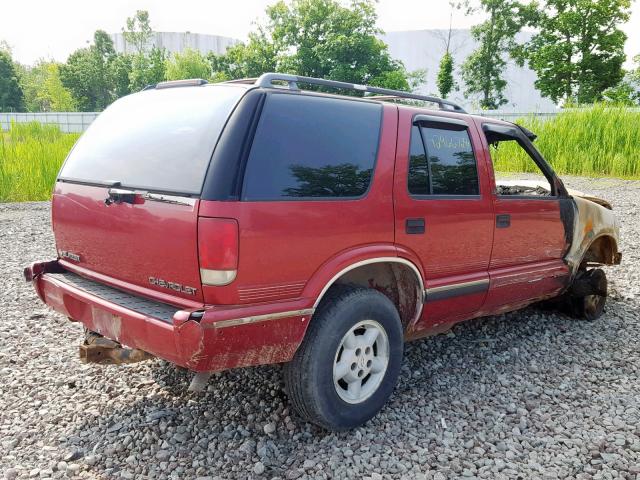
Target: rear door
(318, 182)
(125, 204)
(443, 212)
(529, 240)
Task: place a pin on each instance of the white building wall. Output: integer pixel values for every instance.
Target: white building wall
(178, 42)
(423, 49)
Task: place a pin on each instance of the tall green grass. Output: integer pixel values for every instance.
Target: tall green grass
(30, 157)
(594, 141)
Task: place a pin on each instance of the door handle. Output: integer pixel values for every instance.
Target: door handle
(414, 226)
(503, 220)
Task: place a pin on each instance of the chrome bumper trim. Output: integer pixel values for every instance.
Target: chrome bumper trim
(234, 322)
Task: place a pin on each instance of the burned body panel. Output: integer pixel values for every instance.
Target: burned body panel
(596, 235)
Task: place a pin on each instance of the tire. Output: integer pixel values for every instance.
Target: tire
(338, 338)
(591, 307)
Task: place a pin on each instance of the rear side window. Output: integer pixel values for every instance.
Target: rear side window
(312, 147)
(157, 139)
(448, 166)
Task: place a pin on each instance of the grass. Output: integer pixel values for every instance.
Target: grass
(30, 157)
(595, 141)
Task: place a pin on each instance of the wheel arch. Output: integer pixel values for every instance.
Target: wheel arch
(398, 278)
(602, 250)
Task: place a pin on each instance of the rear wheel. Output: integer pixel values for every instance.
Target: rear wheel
(348, 364)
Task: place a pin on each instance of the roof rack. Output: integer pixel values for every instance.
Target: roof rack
(191, 82)
(266, 80)
(249, 81)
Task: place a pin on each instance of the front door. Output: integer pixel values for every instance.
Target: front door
(529, 240)
(444, 213)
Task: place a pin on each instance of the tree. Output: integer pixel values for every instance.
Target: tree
(482, 71)
(88, 74)
(257, 56)
(188, 64)
(43, 89)
(579, 50)
(445, 81)
(122, 70)
(635, 73)
(138, 31)
(147, 63)
(627, 92)
(11, 95)
(147, 69)
(318, 38)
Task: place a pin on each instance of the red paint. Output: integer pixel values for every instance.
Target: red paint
(287, 252)
(127, 243)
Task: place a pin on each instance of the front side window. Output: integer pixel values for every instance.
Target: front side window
(312, 147)
(442, 161)
(515, 169)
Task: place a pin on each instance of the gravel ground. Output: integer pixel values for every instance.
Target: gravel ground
(530, 394)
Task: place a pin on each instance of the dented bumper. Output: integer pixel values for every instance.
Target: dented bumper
(212, 338)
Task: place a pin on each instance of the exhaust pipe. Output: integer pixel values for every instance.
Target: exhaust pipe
(101, 350)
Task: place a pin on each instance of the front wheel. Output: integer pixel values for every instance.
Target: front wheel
(348, 364)
(589, 304)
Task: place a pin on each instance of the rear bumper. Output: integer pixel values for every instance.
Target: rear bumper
(213, 338)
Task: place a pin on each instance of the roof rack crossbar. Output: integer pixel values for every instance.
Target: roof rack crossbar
(266, 80)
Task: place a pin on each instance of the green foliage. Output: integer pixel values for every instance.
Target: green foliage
(596, 141)
(11, 96)
(635, 73)
(317, 38)
(482, 71)
(579, 50)
(188, 64)
(43, 89)
(122, 66)
(89, 74)
(138, 31)
(146, 65)
(625, 94)
(248, 60)
(147, 68)
(445, 82)
(30, 157)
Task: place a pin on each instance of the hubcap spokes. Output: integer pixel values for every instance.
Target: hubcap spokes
(361, 361)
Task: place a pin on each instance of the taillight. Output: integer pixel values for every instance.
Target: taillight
(218, 250)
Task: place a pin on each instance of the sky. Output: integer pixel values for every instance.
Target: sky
(53, 29)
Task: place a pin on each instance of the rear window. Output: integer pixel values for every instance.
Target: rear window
(156, 140)
(312, 147)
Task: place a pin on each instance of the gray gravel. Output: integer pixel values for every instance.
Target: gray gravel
(530, 394)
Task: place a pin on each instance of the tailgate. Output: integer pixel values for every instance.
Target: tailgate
(150, 243)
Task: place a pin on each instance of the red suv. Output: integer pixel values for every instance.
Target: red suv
(252, 222)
